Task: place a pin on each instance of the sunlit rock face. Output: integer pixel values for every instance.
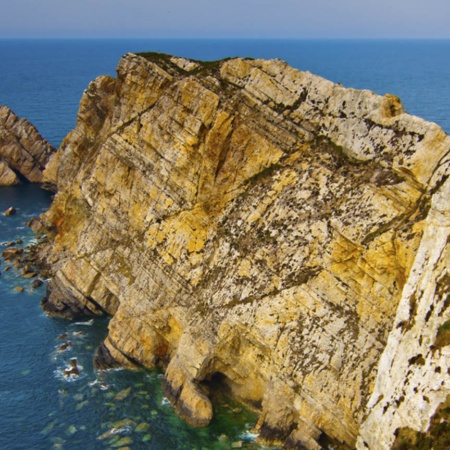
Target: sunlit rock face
(24, 153)
(259, 226)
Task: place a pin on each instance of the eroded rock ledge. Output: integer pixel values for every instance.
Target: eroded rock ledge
(248, 222)
(24, 153)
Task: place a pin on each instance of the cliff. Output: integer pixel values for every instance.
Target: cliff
(259, 226)
(24, 153)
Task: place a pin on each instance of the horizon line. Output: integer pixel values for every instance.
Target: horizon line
(221, 38)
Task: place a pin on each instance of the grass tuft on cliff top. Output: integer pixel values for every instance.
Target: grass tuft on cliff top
(205, 67)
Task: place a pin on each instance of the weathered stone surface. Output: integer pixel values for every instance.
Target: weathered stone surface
(10, 211)
(36, 283)
(23, 151)
(248, 222)
(413, 378)
(7, 176)
(12, 253)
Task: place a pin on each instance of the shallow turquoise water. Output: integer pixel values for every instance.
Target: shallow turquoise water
(41, 408)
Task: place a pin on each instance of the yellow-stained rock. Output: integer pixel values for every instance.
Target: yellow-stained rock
(23, 151)
(253, 224)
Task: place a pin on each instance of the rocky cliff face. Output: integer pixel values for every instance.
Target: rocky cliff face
(23, 151)
(252, 224)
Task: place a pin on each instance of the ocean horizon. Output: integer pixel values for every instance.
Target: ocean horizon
(45, 78)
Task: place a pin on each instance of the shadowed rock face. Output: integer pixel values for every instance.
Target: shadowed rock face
(248, 222)
(23, 151)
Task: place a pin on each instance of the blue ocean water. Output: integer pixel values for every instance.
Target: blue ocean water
(43, 81)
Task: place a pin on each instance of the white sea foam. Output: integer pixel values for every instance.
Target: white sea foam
(87, 324)
(101, 384)
(248, 436)
(165, 401)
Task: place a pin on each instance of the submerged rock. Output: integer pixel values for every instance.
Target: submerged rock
(122, 395)
(142, 427)
(253, 225)
(72, 429)
(122, 442)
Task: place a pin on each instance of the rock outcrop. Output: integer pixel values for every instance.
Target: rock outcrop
(252, 224)
(24, 153)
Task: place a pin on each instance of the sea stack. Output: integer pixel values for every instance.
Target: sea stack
(252, 224)
(24, 153)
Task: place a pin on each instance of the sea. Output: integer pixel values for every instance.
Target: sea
(43, 80)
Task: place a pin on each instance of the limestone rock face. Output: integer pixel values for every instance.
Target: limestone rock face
(413, 378)
(23, 151)
(250, 223)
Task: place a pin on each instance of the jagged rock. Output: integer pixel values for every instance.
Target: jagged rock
(103, 360)
(72, 369)
(23, 151)
(36, 283)
(10, 211)
(250, 223)
(64, 300)
(12, 253)
(30, 275)
(7, 176)
(63, 347)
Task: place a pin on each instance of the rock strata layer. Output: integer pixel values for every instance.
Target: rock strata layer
(248, 223)
(24, 153)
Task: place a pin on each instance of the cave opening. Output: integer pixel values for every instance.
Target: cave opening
(218, 384)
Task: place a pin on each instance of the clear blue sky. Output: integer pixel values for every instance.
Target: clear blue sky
(225, 18)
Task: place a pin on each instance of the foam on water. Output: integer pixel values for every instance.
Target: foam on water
(88, 323)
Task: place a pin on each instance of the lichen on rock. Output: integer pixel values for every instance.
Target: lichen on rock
(245, 221)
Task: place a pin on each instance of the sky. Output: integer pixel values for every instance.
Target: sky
(304, 19)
